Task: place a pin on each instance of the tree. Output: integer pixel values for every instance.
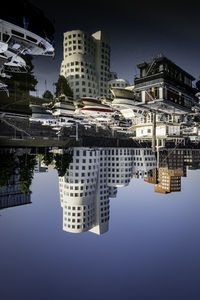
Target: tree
(48, 158)
(24, 82)
(198, 85)
(26, 171)
(19, 86)
(7, 166)
(62, 87)
(48, 95)
(62, 162)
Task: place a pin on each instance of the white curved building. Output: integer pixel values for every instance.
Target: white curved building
(86, 64)
(120, 165)
(84, 194)
(78, 63)
(112, 191)
(92, 178)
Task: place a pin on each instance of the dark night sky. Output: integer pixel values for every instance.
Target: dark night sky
(137, 31)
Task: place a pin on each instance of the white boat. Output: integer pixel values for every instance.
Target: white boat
(127, 102)
(94, 107)
(96, 110)
(90, 101)
(16, 41)
(63, 106)
(124, 93)
(23, 41)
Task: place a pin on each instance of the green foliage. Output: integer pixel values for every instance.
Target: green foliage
(22, 83)
(48, 158)
(48, 95)
(25, 164)
(62, 162)
(7, 167)
(9, 164)
(198, 85)
(26, 171)
(19, 86)
(62, 87)
(40, 156)
(24, 186)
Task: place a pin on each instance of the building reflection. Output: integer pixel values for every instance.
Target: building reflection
(93, 178)
(11, 193)
(17, 168)
(95, 174)
(172, 165)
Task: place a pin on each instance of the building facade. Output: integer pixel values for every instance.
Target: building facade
(84, 193)
(164, 86)
(86, 64)
(92, 178)
(144, 160)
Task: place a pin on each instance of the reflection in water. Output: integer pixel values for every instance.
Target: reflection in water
(11, 194)
(93, 177)
(171, 167)
(89, 177)
(16, 176)
(95, 174)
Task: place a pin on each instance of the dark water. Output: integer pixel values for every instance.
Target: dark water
(151, 250)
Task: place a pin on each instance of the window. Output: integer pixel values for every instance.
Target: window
(17, 33)
(31, 39)
(5, 37)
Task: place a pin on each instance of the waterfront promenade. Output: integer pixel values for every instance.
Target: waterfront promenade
(20, 132)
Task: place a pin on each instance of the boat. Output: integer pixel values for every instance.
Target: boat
(24, 29)
(97, 109)
(63, 106)
(127, 102)
(90, 101)
(124, 93)
(22, 41)
(10, 60)
(94, 107)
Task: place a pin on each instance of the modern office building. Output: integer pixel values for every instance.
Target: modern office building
(120, 166)
(191, 158)
(171, 167)
(169, 180)
(86, 63)
(144, 160)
